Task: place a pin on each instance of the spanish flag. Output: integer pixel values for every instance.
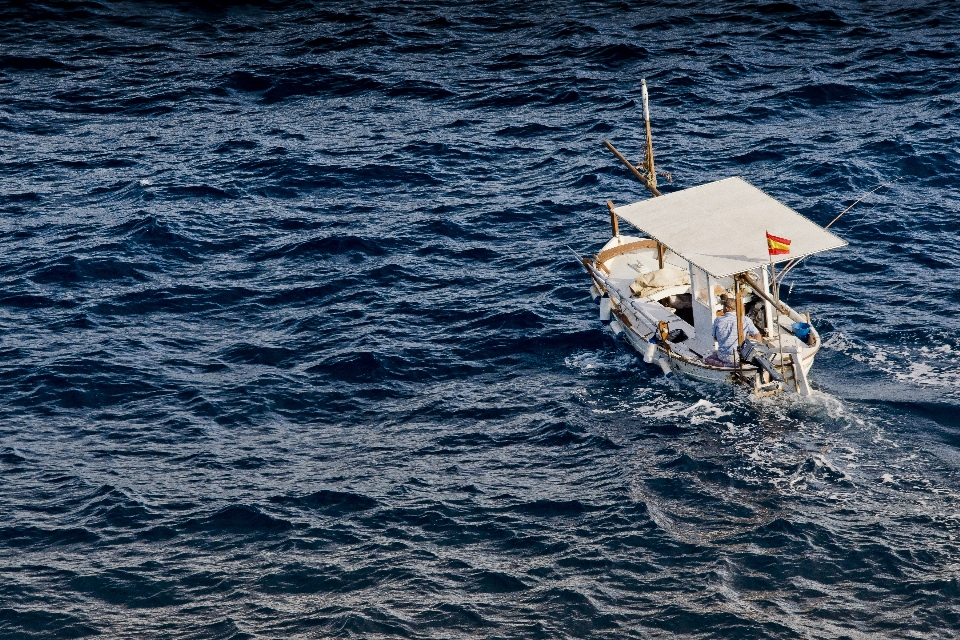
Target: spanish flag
(776, 245)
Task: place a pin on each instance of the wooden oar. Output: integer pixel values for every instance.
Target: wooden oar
(747, 278)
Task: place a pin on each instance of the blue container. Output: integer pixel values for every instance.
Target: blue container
(801, 330)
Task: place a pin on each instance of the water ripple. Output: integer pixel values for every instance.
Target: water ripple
(294, 346)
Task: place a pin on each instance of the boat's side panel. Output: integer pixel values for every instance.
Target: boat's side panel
(701, 373)
(678, 365)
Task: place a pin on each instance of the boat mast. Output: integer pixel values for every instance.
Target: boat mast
(646, 173)
(648, 160)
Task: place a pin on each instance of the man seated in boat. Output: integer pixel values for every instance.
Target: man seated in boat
(725, 333)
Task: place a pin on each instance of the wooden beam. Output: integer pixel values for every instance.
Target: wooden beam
(758, 289)
(633, 169)
(613, 220)
(613, 252)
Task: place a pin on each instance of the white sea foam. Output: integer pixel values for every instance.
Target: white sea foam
(587, 361)
(936, 365)
(703, 411)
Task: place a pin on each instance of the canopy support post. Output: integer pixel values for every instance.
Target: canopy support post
(614, 226)
(767, 307)
(740, 333)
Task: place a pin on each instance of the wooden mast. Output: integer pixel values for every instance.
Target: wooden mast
(648, 160)
(648, 175)
(647, 172)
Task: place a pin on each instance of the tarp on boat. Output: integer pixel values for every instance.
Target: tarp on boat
(721, 226)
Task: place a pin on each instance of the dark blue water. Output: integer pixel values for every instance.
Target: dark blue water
(292, 345)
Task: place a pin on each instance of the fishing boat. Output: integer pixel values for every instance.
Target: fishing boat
(661, 289)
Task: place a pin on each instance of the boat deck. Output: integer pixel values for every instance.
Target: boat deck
(624, 270)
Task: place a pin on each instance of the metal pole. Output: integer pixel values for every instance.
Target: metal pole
(796, 261)
(776, 320)
(773, 282)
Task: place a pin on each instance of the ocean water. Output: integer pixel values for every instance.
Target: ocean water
(292, 345)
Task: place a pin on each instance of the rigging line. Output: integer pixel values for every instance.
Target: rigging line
(860, 222)
(863, 219)
(861, 198)
(796, 261)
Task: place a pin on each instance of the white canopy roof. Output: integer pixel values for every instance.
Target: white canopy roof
(721, 226)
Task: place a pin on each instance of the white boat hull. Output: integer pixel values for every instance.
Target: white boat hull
(635, 319)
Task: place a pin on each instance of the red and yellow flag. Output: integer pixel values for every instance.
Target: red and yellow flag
(776, 245)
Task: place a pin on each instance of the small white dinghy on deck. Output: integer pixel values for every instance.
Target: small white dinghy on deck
(662, 292)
